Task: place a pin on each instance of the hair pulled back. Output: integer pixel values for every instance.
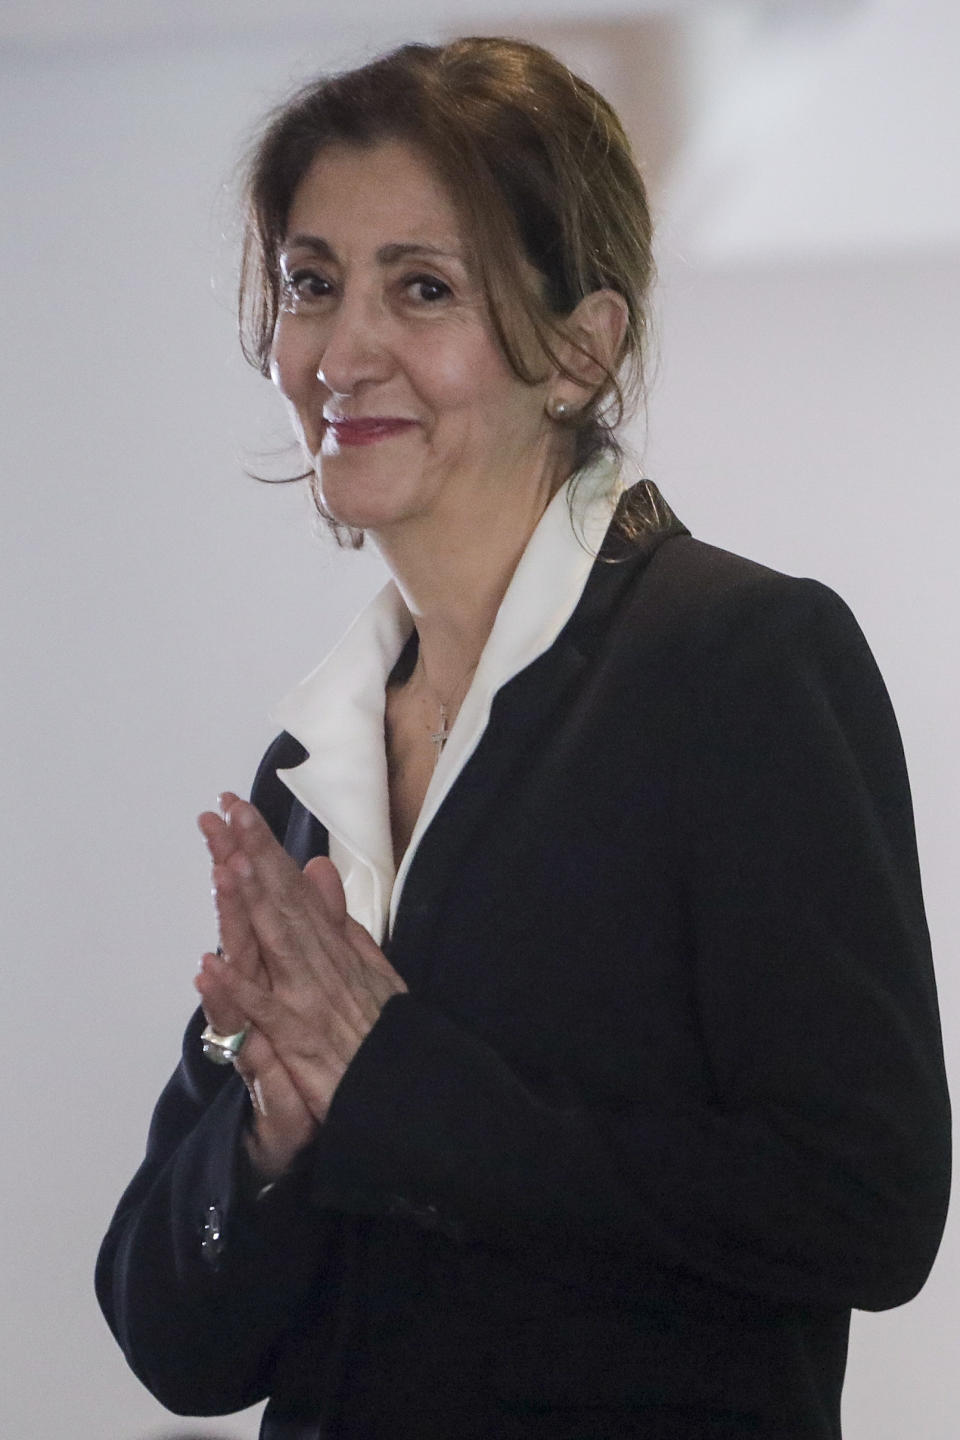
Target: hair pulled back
(538, 167)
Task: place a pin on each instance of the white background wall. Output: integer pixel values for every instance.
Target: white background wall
(156, 601)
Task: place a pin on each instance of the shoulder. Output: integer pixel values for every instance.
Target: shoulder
(760, 663)
(703, 577)
(724, 640)
(710, 601)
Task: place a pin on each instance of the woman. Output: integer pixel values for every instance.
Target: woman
(572, 956)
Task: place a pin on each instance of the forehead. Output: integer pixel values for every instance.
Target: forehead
(388, 192)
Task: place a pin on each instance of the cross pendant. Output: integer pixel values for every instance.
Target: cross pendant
(439, 736)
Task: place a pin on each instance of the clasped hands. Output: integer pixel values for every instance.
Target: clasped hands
(306, 979)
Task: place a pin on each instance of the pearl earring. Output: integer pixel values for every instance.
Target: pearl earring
(558, 409)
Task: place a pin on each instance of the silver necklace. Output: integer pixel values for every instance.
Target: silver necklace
(440, 734)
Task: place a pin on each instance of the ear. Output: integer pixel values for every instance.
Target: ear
(591, 349)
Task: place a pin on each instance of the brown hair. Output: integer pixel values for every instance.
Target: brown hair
(538, 166)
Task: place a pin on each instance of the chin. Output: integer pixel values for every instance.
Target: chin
(373, 487)
(362, 504)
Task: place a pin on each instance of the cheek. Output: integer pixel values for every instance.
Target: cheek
(446, 374)
(472, 381)
(294, 375)
(291, 369)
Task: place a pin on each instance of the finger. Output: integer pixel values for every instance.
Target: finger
(220, 985)
(300, 917)
(297, 921)
(221, 843)
(283, 1123)
(238, 939)
(219, 1004)
(257, 841)
(215, 828)
(315, 1046)
(368, 952)
(255, 1058)
(240, 949)
(271, 1090)
(361, 955)
(279, 920)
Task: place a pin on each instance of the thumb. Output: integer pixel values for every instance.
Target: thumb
(324, 877)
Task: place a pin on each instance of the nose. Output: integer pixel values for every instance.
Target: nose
(354, 348)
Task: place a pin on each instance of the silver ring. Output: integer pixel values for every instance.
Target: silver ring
(222, 1049)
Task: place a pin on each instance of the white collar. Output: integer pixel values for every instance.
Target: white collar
(337, 712)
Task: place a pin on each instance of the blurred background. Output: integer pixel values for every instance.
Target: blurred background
(803, 158)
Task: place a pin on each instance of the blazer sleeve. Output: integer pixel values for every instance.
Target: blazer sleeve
(818, 1172)
(201, 1282)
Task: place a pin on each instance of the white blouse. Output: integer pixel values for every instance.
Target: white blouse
(337, 712)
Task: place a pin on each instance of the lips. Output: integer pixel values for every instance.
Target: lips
(367, 431)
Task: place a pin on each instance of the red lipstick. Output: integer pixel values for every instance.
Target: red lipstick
(367, 431)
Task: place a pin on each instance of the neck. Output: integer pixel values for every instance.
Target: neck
(453, 570)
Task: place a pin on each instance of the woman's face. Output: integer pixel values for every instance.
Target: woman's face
(385, 353)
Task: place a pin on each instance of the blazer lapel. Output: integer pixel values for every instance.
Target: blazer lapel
(521, 710)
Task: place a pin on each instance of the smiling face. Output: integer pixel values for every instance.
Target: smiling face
(386, 356)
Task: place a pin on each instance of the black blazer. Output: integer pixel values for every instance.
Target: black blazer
(666, 1096)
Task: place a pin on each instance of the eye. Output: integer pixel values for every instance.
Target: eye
(303, 287)
(427, 289)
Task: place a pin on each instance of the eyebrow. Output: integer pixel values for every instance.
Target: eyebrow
(386, 255)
